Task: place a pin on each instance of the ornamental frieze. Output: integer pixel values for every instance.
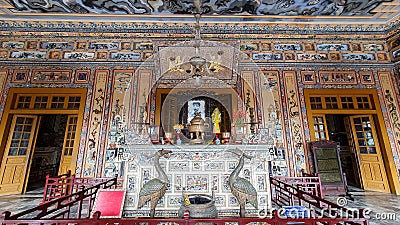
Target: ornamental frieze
(185, 27)
(144, 50)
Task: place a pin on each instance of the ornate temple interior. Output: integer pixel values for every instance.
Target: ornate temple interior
(204, 90)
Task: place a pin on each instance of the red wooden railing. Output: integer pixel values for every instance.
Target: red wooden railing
(75, 209)
(76, 205)
(308, 183)
(66, 184)
(284, 194)
(187, 221)
(55, 187)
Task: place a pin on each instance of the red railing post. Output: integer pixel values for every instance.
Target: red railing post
(6, 215)
(80, 204)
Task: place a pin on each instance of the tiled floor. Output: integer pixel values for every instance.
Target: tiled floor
(18, 203)
(384, 208)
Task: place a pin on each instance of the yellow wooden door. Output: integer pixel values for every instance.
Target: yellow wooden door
(15, 163)
(366, 144)
(70, 148)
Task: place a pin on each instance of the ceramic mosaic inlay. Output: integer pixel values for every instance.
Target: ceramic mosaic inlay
(20, 76)
(341, 77)
(57, 45)
(45, 76)
(367, 77)
(332, 47)
(295, 122)
(396, 54)
(308, 77)
(266, 56)
(13, 44)
(125, 55)
(3, 81)
(105, 46)
(82, 76)
(307, 57)
(271, 131)
(358, 57)
(140, 51)
(373, 47)
(28, 55)
(145, 83)
(392, 110)
(197, 171)
(79, 55)
(95, 124)
(288, 47)
(117, 102)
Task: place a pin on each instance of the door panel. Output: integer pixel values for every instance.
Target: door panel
(15, 162)
(69, 149)
(366, 144)
(320, 128)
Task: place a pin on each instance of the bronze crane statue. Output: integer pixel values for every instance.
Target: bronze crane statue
(155, 188)
(241, 188)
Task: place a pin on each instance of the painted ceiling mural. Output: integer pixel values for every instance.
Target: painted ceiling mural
(210, 7)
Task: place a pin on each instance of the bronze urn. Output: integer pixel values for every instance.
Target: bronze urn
(197, 129)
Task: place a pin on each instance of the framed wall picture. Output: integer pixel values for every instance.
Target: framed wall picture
(154, 134)
(367, 77)
(308, 77)
(196, 106)
(82, 76)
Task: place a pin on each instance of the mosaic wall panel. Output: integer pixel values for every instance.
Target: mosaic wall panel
(53, 77)
(248, 98)
(201, 171)
(295, 130)
(311, 51)
(20, 76)
(367, 77)
(308, 77)
(392, 107)
(144, 86)
(82, 76)
(88, 51)
(92, 147)
(341, 77)
(28, 55)
(119, 116)
(271, 130)
(259, 51)
(3, 81)
(140, 51)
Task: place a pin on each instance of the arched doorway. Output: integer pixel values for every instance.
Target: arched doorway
(174, 106)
